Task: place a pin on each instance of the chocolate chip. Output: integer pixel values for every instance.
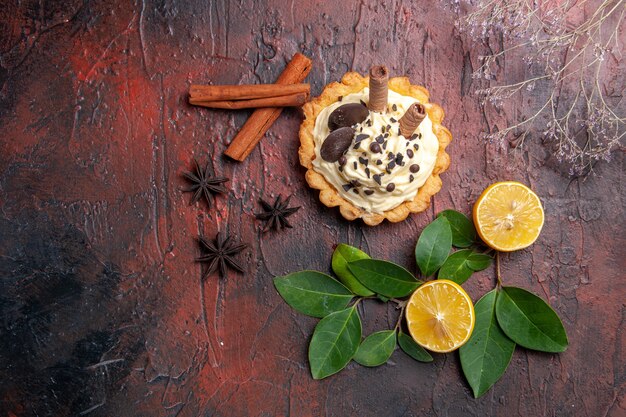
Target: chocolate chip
(346, 187)
(392, 120)
(414, 168)
(409, 153)
(399, 158)
(354, 164)
(380, 139)
(363, 160)
(368, 192)
(369, 123)
(347, 115)
(339, 98)
(413, 136)
(336, 143)
(394, 107)
(379, 162)
(416, 146)
(359, 138)
(367, 172)
(375, 147)
(355, 191)
(391, 155)
(411, 178)
(391, 186)
(342, 160)
(377, 178)
(391, 165)
(385, 145)
(355, 183)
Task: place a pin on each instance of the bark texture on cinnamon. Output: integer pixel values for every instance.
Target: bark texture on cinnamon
(379, 76)
(261, 119)
(289, 100)
(199, 92)
(412, 119)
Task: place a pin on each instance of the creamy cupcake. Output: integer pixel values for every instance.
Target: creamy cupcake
(374, 146)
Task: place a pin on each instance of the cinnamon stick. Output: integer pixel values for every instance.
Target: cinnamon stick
(412, 119)
(261, 119)
(379, 75)
(291, 100)
(244, 92)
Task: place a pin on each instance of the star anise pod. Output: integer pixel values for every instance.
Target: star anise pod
(275, 216)
(220, 254)
(204, 185)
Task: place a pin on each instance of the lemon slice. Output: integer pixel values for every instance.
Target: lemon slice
(440, 316)
(508, 216)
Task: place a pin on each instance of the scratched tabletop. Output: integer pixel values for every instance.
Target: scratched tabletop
(103, 311)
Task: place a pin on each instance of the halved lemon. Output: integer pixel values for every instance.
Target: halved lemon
(508, 216)
(440, 316)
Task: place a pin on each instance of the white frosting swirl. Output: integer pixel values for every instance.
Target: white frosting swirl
(406, 183)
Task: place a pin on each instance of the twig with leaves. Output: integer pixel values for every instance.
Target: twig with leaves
(504, 317)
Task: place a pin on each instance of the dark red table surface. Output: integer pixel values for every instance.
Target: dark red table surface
(102, 309)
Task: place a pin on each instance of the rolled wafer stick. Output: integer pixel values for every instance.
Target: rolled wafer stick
(412, 119)
(379, 76)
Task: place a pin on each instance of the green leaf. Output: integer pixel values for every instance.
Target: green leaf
(385, 278)
(335, 341)
(408, 345)
(341, 256)
(456, 268)
(463, 231)
(313, 293)
(529, 321)
(376, 348)
(487, 353)
(478, 261)
(433, 246)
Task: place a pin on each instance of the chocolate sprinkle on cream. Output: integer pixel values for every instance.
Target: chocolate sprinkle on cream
(339, 98)
(411, 178)
(416, 146)
(363, 160)
(380, 139)
(359, 138)
(409, 153)
(375, 147)
(379, 162)
(354, 164)
(367, 172)
(377, 178)
(394, 107)
(414, 168)
(342, 160)
(392, 120)
(391, 186)
(368, 192)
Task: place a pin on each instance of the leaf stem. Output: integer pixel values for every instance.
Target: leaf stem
(498, 276)
(402, 307)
